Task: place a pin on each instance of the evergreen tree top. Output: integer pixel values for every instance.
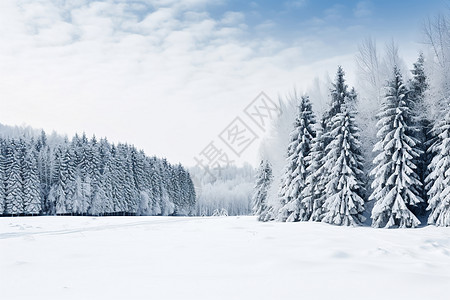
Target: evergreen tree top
(395, 88)
(339, 91)
(419, 65)
(339, 95)
(419, 80)
(305, 111)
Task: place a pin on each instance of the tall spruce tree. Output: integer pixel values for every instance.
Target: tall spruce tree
(294, 179)
(418, 88)
(395, 174)
(319, 172)
(344, 203)
(107, 175)
(438, 181)
(68, 174)
(57, 196)
(31, 184)
(44, 171)
(263, 181)
(78, 203)
(313, 195)
(14, 180)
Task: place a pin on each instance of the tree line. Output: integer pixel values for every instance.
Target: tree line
(325, 179)
(89, 177)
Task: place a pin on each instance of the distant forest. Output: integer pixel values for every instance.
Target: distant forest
(88, 177)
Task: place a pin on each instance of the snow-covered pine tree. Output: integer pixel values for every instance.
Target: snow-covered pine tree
(263, 181)
(86, 192)
(156, 186)
(184, 190)
(344, 203)
(192, 196)
(183, 206)
(318, 174)
(68, 173)
(97, 202)
(97, 193)
(173, 187)
(167, 206)
(106, 175)
(130, 192)
(313, 195)
(438, 181)
(143, 207)
(44, 169)
(118, 178)
(31, 183)
(418, 88)
(294, 179)
(57, 196)
(395, 176)
(77, 197)
(14, 181)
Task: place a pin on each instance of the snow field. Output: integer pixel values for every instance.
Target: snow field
(218, 258)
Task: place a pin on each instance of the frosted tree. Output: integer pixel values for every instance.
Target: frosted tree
(58, 198)
(44, 170)
(78, 207)
(98, 194)
(263, 181)
(438, 180)
(86, 192)
(118, 179)
(57, 194)
(318, 173)
(155, 183)
(31, 184)
(313, 195)
(418, 88)
(68, 171)
(130, 194)
(144, 200)
(14, 181)
(294, 179)
(98, 203)
(344, 203)
(167, 207)
(395, 175)
(107, 176)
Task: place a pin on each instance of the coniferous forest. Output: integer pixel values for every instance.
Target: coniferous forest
(89, 177)
(325, 178)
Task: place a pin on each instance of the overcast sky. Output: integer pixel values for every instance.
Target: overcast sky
(170, 76)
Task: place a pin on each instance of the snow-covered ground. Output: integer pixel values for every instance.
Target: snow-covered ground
(217, 258)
